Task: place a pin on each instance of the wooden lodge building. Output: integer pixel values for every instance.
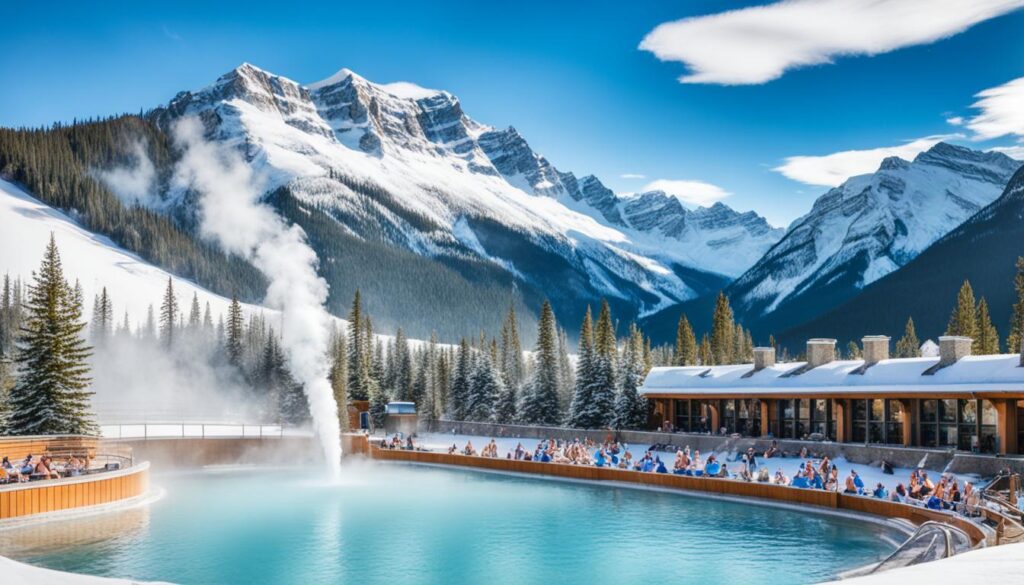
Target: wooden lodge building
(954, 401)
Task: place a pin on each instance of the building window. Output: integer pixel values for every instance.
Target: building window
(894, 421)
(860, 421)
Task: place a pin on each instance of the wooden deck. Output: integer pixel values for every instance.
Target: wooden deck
(725, 487)
(40, 497)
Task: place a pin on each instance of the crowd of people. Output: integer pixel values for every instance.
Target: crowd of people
(40, 467)
(816, 471)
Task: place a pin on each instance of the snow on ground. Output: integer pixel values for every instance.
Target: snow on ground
(998, 564)
(789, 465)
(94, 260)
(22, 574)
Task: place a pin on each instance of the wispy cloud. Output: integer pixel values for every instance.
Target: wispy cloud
(690, 192)
(758, 44)
(831, 170)
(632, 176)
(1001, 111)
(170, 33)
(955, 121)
(1016, 151)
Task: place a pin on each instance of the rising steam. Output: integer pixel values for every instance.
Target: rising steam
(231, 212)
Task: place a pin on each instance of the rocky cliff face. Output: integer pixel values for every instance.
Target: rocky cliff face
(869, 227)
(405, 165)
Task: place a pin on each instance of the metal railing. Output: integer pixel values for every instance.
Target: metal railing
(930, 542)
(190, 430)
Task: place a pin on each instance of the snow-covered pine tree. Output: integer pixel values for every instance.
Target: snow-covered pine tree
(338, 375)
(585, 373)
(208, 320)
(102, 318)
(442, 381)
(233, 346)
(722, 331)
(485, 387)
(963, 319)
(418, 387)
(168, 314)
(378, 399)
(908, 346)
(566, 375)
(458, 396)
(402, 388)
(630, 407)
(540, 401)
(195, 316)
(602, 396)
(686, 343)
(51, 395)
(987, 342)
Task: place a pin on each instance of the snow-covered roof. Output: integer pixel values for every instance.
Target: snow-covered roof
(983, 373)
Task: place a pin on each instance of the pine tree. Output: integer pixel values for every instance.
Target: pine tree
(418, 387)
(149, 332)
(963, 320)
(485, 388)
(51, 395)
(707, 356)
(511, 351)
(630, 407)
(686, 343)
(458, 395)
(602, 396)
(585, 374)
(402, 387)
(233, 331)
(853, 351)
(987, 341)
(566, 375)
(722, 331)
(338, 375)
(102, 318)
(358, 355)
(194, 315)
(909, 346)
(540, 399)
(168, 314)
(1013, 342)
(208, 320)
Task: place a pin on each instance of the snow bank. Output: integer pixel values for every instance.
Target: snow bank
(999, 564)
(15, 572)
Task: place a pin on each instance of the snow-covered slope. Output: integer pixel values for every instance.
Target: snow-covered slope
(93, 260)
(406, 165)
(870, 226)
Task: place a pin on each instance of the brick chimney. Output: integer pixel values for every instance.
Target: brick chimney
(876, 348)
(952, 348)
(764, 357)
(820, 352)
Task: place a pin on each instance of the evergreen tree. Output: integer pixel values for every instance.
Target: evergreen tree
(168, 314)
(443, 378)
(51, 394)
(853, 351)
(630, 407)
(234, 347)
(566, 376)
(585, 374)
(358, 354)
(511, 351)
(378, 398)
(987, 341)
(485, 388)
(540, 399)
(102, 318)
(195, 317)
(418, 387)
(1013, 342)
(602, 396)
(909, 346)
(722, 331)
(208, 320)
(686, 343)
(707, 356)
(338, 375)
(402, 388)
(458, 396)
(963, 320)
(149, 333)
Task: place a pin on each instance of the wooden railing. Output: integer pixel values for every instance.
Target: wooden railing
(17, 448)
(725, 487)
(40, 497)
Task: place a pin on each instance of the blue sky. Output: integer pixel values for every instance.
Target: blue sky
(570, 76)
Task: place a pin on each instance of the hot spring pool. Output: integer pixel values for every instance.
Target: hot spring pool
(407, 524)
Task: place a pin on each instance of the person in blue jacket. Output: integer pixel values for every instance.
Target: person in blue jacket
(880, 491)
(599, 458)
(660, 465)
(857, 481)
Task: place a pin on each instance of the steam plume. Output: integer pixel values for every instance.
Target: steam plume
(231, 212)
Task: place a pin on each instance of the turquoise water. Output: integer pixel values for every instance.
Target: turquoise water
(408, 524)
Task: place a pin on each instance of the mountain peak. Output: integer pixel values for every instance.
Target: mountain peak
(339, 76)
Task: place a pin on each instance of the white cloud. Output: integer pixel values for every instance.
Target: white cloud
(133, 184)
(831, 170)
(1016, 151)
(758, 44)
(955, 121)
(632, 176)
(690, 192)
(1001, 111)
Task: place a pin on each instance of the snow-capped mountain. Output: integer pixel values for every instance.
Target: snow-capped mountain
(405, 165)
(868, 227)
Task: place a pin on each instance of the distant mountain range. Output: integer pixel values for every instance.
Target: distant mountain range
(442, 221)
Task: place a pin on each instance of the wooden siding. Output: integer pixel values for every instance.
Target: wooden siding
(39, 497)
(726, 487)
(17, 448)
